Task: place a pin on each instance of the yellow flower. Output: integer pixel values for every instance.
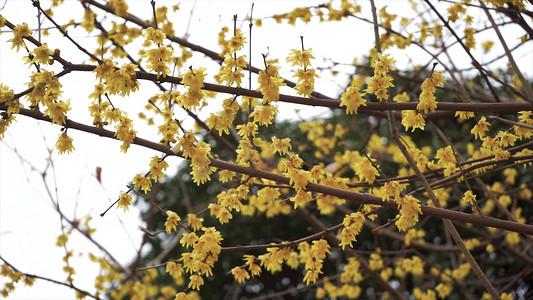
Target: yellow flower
(445, 155)
(120, 7)
(444, 290)
(172, 221)
(245, 130)
(283, 146)
(237, 41)
(158, 58)
(392, 189)
(125, 133)
(409, 211)
(301, 198)
(269, 83)
(464, 115)
(353, 224)
(19, 33)
(123, 80)
(57, 111)
(375, 263)
(2, 21)
(379, 85)
(412, 119)
(512, 238)
(364, 169)
(507, 296)
(124, 201)
(304, 88)
(88, 20)
(487, 45)
(200, 161)
(427, 97)
(196, 281)
(154, 35)
(174, 269)
(64, 143)
(401, 98)
(470, 42)
(7, 97)
(352, 99)
(427, 101)
(194, 221)
(301, 58)
(194, 80)
(225, 175)
(61, 240)
(383, 64)
(183, 296)
(468, 197)
(143, 182)
(506, 138)
(189, 239)
(42, 54)
(298, 178)
(462, 271)
(105, 69)
(480, 128)
(455, 11)
(264, 114)
(254, 269)
(157, 168)
(240, 274)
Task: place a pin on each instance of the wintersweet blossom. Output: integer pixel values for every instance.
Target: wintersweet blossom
(194, 221)
(298, 178)
(282, 146)
(264, 114)
(412, 119)
(269, 83)
(352, 99)
(300, 58)
(409, 211)
(379, 85)
(172, 221)
(19, 33)
(124, 200)
(42, 54)
(353, 224)
(301, 198)
(240, 274)
(64, 143)
(142, 182)
(157, 168)
(427, 100)
(480, 128)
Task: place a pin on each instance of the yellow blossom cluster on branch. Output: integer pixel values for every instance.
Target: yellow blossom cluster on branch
(291, 195)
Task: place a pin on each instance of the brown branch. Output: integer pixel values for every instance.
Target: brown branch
(313, 187)
(498, 108)
(285, 244)
(69, 285)
(516, 69)
(476, 64)
(209, 53)
(37, 4)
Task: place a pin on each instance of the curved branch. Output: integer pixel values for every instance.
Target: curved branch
(313, 187)
(69, 285)
(499, 108)
(209, 53)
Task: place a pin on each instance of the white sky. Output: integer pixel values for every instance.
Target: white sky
(28, 222)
